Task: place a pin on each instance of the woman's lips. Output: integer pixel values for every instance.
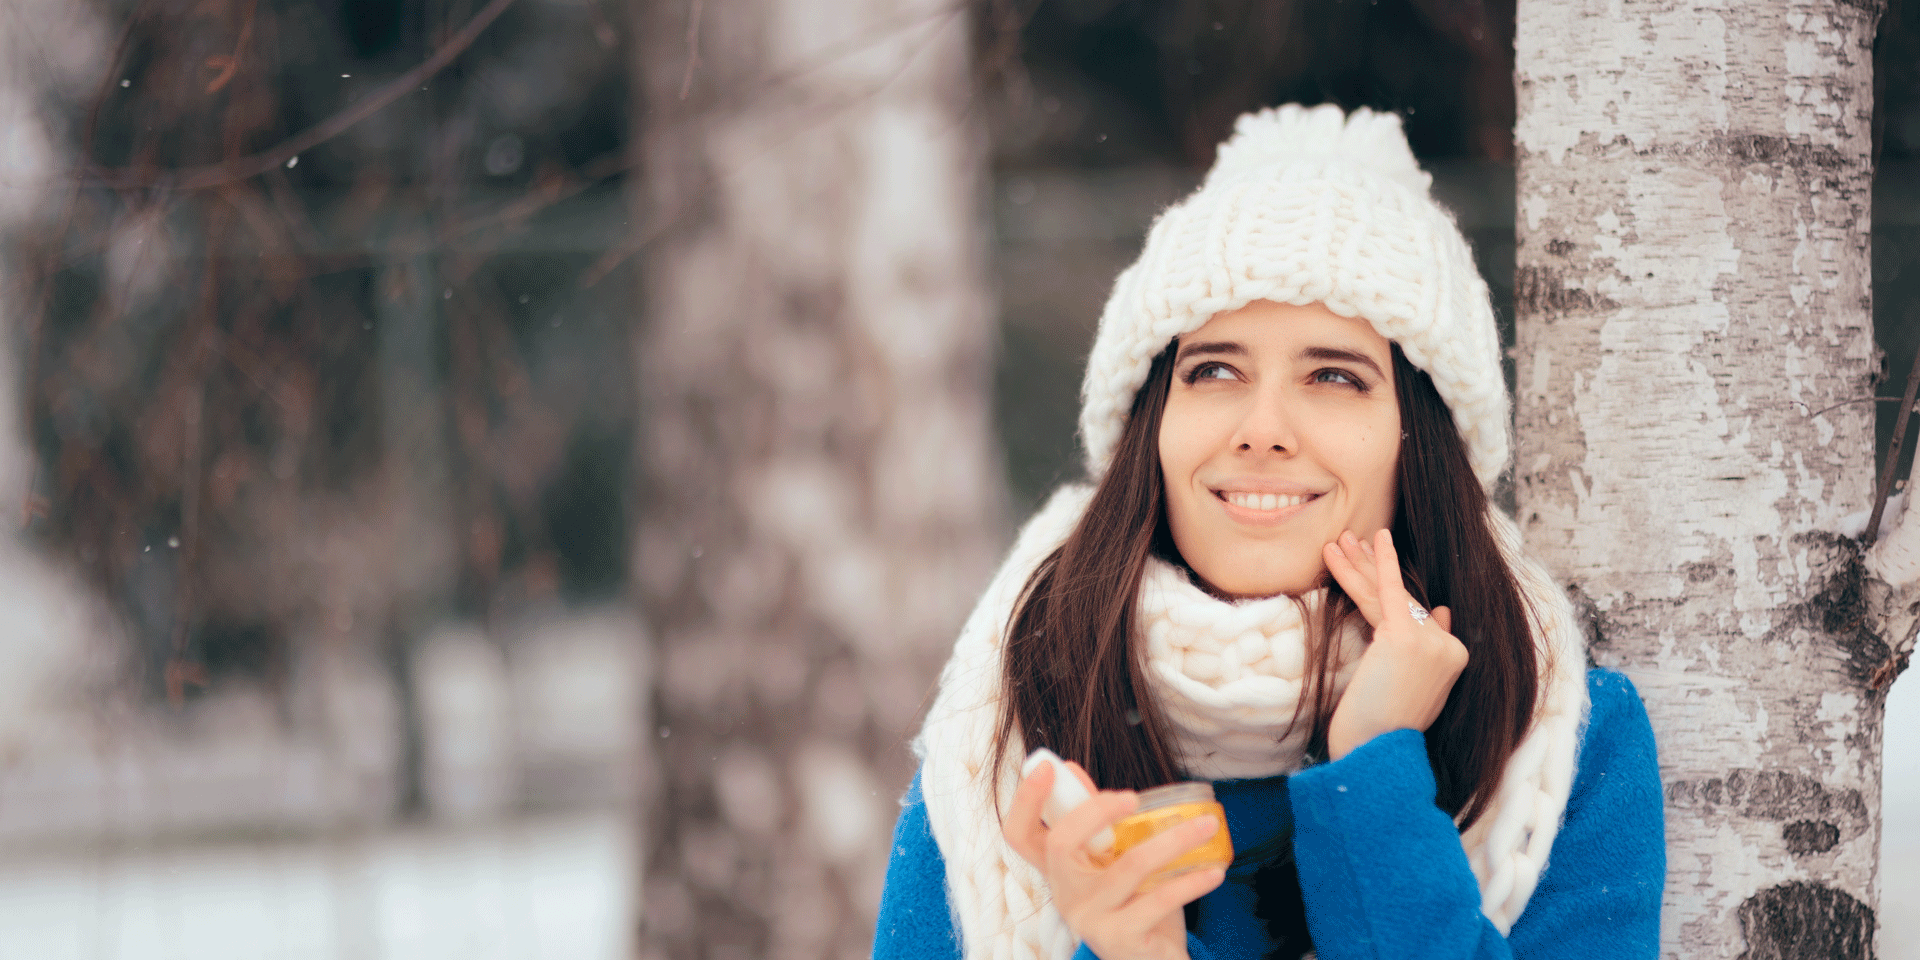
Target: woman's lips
(1263, 509)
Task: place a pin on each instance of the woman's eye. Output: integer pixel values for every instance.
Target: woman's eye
(1331, 375)
(1210, 371)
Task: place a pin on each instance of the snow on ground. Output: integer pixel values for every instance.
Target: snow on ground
(228, 831)
(537, 889)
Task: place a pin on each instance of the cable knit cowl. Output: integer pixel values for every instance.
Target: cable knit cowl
(1229, 676)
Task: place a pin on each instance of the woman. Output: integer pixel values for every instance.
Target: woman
(1287, 580)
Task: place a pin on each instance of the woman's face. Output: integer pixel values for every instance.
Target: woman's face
(1281, 431)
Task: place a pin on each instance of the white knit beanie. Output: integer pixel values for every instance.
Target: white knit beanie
(1309, 206)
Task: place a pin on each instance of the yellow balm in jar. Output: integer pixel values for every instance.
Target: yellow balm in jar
(1163, 808)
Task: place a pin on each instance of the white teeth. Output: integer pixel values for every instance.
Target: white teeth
(1266, 501)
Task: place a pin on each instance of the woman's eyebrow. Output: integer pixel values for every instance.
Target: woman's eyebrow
(1340, 354)
(1214, 347)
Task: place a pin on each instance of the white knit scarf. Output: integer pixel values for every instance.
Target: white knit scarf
(1227, 676)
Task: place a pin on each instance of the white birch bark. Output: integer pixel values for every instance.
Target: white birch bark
(820, 500)
(1694, 346)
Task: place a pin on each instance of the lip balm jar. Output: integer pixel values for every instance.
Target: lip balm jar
(1163, 808)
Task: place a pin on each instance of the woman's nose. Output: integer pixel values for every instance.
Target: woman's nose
(1267, 426)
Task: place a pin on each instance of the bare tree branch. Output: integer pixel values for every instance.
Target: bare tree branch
(1885, 486)
(242, 168)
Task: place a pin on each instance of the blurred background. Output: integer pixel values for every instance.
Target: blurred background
(362, 356)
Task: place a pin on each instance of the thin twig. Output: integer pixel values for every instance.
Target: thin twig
(1847, 403)
(693, 48)
(229, 65)
(242, 168)
(181, 668)
(1003, 60)
(1885, 486)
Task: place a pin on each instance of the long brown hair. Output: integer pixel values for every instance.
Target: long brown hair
(1074, 680)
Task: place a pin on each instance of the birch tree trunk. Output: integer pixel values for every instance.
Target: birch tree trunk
(1694, 355)
(820, 501)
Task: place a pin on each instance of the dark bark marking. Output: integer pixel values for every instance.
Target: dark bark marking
(1810, 836)
(1539, 290)
(1771, 795)
(1587, 614)
(1700, 571)
(1559, 247)
(1841, 610)
(1790, 152)
(1806, 921)
(1872, 8)
(1884, 675)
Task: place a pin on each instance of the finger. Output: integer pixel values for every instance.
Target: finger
(1086, 783)
(1021, 826)
(1067, 841)
(1145, 860)
(1136, 919)
(1105, 886)
(1361, 556)
(1354, 581)
(1338, 563)
(1443, 618)
(1393, 594)
(1178, 892)
(1348, 577)
(1358, 553)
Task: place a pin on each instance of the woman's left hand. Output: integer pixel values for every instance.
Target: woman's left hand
(1104, 905)
(1404, 677)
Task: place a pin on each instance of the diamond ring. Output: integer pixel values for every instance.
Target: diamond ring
(1419, 612)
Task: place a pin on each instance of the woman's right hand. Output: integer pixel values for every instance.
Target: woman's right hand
(1403, 679)
(1104, 906)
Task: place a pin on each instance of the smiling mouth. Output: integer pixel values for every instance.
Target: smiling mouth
(1264, 501)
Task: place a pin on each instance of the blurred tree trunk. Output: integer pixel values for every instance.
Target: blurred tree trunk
(819, 499)
(1695, 357)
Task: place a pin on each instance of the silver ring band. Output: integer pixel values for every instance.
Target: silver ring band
(1419, 612)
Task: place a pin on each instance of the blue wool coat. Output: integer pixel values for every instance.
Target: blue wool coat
(1381, 869)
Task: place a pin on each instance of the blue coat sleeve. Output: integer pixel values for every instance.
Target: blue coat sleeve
(1383, 875)
(915, 922)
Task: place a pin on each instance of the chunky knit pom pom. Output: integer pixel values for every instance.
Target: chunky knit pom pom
(1293, 133)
